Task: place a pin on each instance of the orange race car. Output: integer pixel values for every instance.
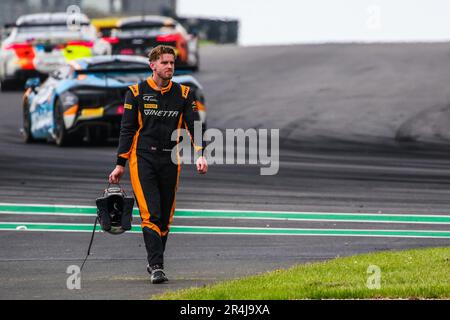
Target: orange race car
(138, 35)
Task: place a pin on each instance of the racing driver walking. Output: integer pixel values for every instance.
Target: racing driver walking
(153, 109)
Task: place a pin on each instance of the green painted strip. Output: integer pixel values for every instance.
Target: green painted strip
(226, 214)
(48, 209)
(26, 226)
(347, 217)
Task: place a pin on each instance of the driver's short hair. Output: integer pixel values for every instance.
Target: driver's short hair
(158, 51)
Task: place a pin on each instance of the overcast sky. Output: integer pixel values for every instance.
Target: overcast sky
(311, 21)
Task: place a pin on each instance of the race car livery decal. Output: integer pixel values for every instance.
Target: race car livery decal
(26, 54)
(72, 52)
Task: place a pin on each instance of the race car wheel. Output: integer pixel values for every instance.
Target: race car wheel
(8, 85)
(26, 133)
(62, 137)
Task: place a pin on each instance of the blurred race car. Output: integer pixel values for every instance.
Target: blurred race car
(40, 43)
(83, 100)
(138, 35)
(105, 25)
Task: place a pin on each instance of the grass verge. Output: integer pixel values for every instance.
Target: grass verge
(203, 42)
(410, 274)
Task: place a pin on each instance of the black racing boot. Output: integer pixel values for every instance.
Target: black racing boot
(157, 274)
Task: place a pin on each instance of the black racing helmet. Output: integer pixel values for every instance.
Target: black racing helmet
(114, 210)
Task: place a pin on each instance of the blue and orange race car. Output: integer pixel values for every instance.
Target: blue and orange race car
(83, 100)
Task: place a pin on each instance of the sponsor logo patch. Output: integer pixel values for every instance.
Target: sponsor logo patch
(148, 97)
(135, 89)
(150, 106)
(128, 106)
(184, 91)
(161, 113)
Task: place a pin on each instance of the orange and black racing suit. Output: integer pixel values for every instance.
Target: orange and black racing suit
(150, 116)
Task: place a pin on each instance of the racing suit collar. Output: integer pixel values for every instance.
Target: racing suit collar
(153, 85)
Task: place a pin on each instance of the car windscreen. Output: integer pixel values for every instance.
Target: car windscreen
(142, 31)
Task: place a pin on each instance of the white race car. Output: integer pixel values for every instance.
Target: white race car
(40, 43)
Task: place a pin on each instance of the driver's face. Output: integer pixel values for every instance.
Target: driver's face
(164, 67)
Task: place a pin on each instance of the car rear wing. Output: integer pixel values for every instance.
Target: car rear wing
(106, 70)
(45, 24)
(178, 71)
(144, 24)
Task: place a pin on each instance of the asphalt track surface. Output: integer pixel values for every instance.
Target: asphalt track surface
(363, 129)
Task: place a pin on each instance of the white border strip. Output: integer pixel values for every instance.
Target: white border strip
(228, 228)
(251, 234)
